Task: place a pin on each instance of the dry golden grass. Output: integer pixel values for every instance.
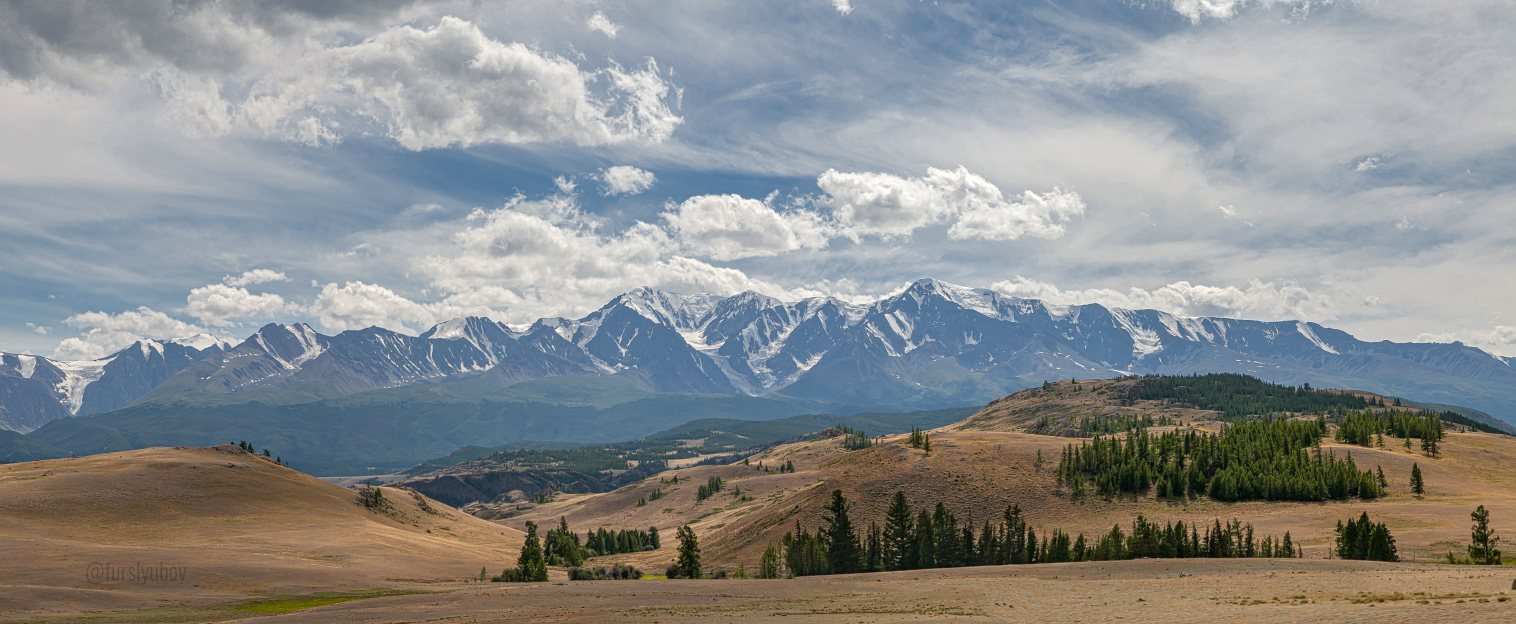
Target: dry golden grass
(981, 465)
(1258, 591)
(239, 525)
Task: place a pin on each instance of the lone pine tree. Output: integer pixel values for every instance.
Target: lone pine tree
(1482, 549)
(688, 563)
(531, 563)
(1418, 487)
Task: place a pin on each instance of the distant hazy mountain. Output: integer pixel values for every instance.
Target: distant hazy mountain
(35, 390)
(932, 345)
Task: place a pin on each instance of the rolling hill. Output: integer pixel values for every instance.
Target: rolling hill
(238, 526)
(985, 462)
(391, 429)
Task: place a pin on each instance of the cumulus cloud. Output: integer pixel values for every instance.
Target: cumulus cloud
(219, 305)
(843, 6)
(255, 276)
(625, 180)
(1369, 164)
(890, 206)
(728, 227)
(1498, 339)
(545, 257)
(40, 330)
(451, 85)
(106, 333)
(602, 24)
(358, 305)
(1036, 215)
(291, 73)
(1265, 300)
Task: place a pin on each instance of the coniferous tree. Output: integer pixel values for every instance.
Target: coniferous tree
(1482, 549)
(843, 554)
(1417, 486)
(768, 565)
(899, 533)
(1379, 474)
(924, 549)
(873, 560)
(688, 562)
(531, 563)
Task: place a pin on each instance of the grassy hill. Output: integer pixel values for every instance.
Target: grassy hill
(480, 474)
(239, 526)
(989, 460)
(389, 430)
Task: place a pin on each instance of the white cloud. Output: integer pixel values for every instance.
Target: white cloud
(1222, 9)
(535, 258)
(450, 85)
(626, 180)
(1228, 212)
(1263, 300)
(565, 184)
(728, 227)
(38, 329)
(602, 24)
(1369, 164)
(218, 70)
(255, 276)
(1039, 216)
(357, 305)
(890, 206)
(107, 333)
(224, 304)
(1405, 224)
(1499, 339)
(843, 6)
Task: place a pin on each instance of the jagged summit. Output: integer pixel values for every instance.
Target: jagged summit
(933, 344)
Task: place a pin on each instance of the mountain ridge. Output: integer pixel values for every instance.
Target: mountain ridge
(932, 345)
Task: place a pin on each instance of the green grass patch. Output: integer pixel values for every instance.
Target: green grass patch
(285, 604)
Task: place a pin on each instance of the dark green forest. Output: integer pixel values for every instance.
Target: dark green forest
(1274, 459)
(912, 539)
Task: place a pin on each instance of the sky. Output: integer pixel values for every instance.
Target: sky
(170, 168)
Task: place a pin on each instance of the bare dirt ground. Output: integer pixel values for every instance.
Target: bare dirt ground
(1133, 591)
(239, 526)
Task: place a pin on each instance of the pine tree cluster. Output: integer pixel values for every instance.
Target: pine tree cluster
(1259, 460)
(919, 439)
(934, 538)
(1239, 397)
(854, 440)
(1365, 540)
(712, 486)
(1365, 428)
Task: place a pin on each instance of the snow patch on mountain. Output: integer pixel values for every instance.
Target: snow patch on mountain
(26, 365)
(1305, 330)
(1145, 341)
(76, 377)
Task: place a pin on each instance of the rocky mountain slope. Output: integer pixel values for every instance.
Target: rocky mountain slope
(932, 345)
(36, 390)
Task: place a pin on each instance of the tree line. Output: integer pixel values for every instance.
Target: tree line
(1239, 397)
(1258, 460)
(935, 538)
(1369, 429)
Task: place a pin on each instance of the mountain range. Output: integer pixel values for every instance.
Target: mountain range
(36, 390)
(932, 345)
